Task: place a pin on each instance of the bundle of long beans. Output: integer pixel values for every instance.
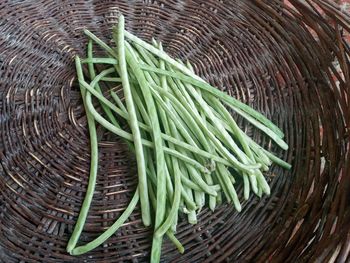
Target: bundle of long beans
(189, 150)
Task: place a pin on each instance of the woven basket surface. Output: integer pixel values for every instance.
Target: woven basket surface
(289, 61)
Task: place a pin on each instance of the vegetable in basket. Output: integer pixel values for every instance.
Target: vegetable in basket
(185, 140)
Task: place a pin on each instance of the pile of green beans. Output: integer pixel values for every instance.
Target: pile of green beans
(189, 150)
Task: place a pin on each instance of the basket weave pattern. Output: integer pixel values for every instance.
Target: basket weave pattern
(291, 62)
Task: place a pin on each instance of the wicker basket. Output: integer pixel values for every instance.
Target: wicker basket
(289, 61)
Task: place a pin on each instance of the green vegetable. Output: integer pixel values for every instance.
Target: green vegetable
(93, 169)
(111, 230)
(219, 94)
(141, 167)
(188, 147)
(158, 145)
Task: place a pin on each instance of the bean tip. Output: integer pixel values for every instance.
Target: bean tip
(181, 250)
(238, 207)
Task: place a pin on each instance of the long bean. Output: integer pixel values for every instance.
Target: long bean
(195, 175)
(101, 43)
(165, 106)
(242, 109)
(153, 78)
(111, 79)
(158, 145)
(264, 154)
(174, 131)
(191, 214)
(170, 235)
(188, 72)
(145, 142)
(143, 114)
(253, 182)
(235, 129)
(119, 102)
(277, 160)
(218, 124)
(191, 78)
(140, 159)
(144, 126)
(93, 169)
(230, 189)
(127, 136)
(263, 128)
(181, 132)
(225, 152)
(111, 230)
(224, 187)
(115, 129)
(246, 187)
(148, 57)
(208, 178)
(172, 216)
(173, 116)
(94, 84)
(220, 94)
(190, 121)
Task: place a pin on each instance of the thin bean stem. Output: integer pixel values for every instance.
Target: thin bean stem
(148, 57)
(277, 160)
(164, 56)
(101, 43)
(190, 184)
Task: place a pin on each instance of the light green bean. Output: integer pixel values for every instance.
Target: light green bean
(111, 230)
(118, 36)
(221, 95)
(93, 168)
(147, 128)
(217, 143)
